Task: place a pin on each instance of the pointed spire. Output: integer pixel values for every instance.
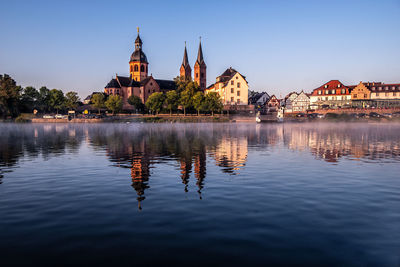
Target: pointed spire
(185, 61)
(200, 54)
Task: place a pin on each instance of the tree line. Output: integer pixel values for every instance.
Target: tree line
(15, 100)
(187, 96)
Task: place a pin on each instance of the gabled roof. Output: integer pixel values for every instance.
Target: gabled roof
(123, 81)
(228, 74)
(332, 85)
(113, 84)
(166, 84)
(134, 83)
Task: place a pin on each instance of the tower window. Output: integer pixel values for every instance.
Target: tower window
(136, 68)
(197, 75)
(131, 68)
(142, 68)
(202, 75)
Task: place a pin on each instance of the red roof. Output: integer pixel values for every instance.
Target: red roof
(333, 87)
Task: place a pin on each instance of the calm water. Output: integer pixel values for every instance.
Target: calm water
(200, 194)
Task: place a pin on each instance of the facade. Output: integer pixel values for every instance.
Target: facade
(200, 69)
(289, 100)
(384, 95)
(361, 96)
(138, 83)
(232, 87)
(273, 103)
(301, 103)
(332, 94)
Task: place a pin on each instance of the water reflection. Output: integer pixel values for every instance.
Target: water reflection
(190, 147)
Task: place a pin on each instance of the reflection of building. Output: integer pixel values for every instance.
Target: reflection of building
(140, 173)
(231, 154)
(186, 169)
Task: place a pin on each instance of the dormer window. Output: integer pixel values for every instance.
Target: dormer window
(326, 86)
(380, 88)
(338, 85)
(386, 88)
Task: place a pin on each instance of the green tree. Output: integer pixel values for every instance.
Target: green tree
(136, 102)
(98, 101)
(114, 103)
(71, 100)
(186, 100)
(213, 102)
(198, 102)
(10, 94)
(172, 100)
(43, 101)
(155, 102)
(29, 99)
(56, 99)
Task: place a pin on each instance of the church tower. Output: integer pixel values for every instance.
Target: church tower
(138, 65)
(185, 72)
(200, 69)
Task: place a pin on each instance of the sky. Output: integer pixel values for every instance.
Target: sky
(280, 46)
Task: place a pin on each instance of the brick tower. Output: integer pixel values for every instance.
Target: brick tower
(200, 69)
(185, 72)
(138, 65)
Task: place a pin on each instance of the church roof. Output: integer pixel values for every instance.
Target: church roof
(138, 55)
(113, 84)
(200, 59)
(185, 61)
(123, 81)
(166, 84)
(138, 40)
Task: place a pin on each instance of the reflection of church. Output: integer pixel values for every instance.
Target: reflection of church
(140, 173)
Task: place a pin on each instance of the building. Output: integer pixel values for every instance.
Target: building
(200, 69)
(332, 94)
(301, 103)
(232, 87)
(288, 101)
(376, 94)
(273, 104)
(139, 83)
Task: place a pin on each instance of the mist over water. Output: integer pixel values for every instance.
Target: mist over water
(220, 194)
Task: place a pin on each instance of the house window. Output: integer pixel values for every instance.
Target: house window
(232, 99)
(326, 86)
(332, 92)
(327, 92)
(238, 85)
(238, 101)
(238, 93)
(232, 82)
(343, 91)
(365, 95)
(319, 92)
(377, 94)
(394, 94)
(355, 95)
(232, 90)
(386, 94)
(338, 85)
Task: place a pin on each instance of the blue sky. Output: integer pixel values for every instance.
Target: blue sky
(280, 46)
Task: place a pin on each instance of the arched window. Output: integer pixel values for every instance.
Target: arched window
(136, 68)
(142, 68)
(131, 68)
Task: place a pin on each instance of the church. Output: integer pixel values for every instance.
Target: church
(139, 83)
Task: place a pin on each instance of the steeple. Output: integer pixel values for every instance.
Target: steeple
(200, 54)
(185, 61)
(138, 64)
(200, 69)
(185, 72)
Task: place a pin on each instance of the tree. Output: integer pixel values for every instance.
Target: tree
(29, 99)
(98, 101)
(71, 100)
(155, 102)
(9, 96)
(56, 99)
(114, 103)
(186, 100)
(136, 102)
(172, 100)
(198, 102)
(43, 99)
(213, 102)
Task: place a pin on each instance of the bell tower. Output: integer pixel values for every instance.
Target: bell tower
(185, 72)
(138, 65)
(200, 69)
